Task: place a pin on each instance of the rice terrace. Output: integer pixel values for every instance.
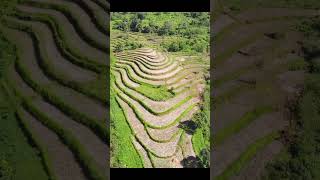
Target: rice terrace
(160, 86)
(53, 89)
(266, 101)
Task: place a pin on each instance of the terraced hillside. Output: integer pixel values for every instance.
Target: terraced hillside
(59, 82)
(258, 75)
(158, 95)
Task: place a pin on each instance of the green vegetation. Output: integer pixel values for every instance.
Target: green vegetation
(155, 93)
(23, 154)
(298, 64)
(7, 7)
(176, 32)
(34, 140)
(123, 153)
(18, 158)
(300, 159)
(184, 39)
(201, 138)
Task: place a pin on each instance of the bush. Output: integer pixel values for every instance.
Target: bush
(311, 47)
(127, 45)
(6, 171)
(175, 45)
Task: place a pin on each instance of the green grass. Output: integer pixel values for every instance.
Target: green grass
(198, 142)
(160, 93)
(41, 147)
(123, 153)
(238, 125)
(235, 167)
(17, 156)
(229, 94)
(298, 64)
(201, 138)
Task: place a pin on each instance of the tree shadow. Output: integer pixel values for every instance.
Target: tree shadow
(201, 161)
(188, 126)
(191, 162)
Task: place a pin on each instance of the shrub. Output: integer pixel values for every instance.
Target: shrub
(6, 171)
(311, 47)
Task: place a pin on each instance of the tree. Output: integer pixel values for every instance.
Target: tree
(166, 29)
(135, 24)
(141, 15)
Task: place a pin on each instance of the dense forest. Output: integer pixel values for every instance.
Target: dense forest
(186, 32)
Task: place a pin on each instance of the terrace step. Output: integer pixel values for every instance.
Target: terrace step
(65, 165)
(167, 149)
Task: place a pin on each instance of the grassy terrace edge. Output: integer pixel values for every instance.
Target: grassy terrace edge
(243, 122)
(235, 167)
